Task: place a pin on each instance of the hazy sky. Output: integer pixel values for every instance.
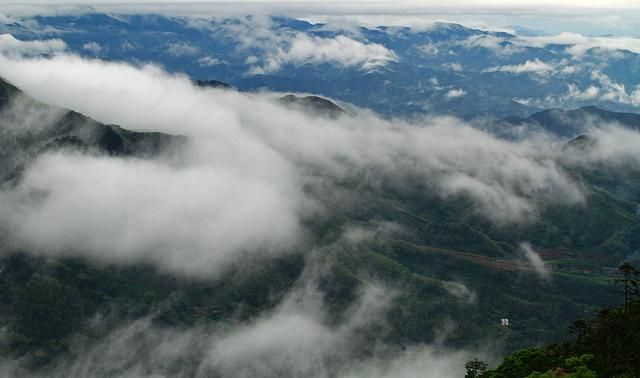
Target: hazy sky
(527, 4)
(595, 17)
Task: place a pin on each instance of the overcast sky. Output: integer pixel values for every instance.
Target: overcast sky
(452, 4)
(595, 17)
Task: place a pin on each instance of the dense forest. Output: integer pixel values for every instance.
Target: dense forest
(607, 345)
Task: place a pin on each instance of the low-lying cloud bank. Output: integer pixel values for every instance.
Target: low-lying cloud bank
(243, 184)
(9, 45)
(295, 339)
(193, 219)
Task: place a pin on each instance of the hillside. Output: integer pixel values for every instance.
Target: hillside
(447, 261)
(604, 345)
(52, 128)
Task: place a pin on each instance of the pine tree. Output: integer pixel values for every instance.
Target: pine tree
(475, 368)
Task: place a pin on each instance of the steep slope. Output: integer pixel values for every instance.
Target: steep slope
(29, 127)
(6, 92)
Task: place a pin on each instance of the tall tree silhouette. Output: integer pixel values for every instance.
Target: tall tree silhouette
(475, 368)
(627, 281)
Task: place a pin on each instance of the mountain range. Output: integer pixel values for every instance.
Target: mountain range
(445, 68)
(48, 302)
(274, 196)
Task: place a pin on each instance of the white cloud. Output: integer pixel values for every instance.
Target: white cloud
(93, 47)
(149, 97)
(356, 234)
(127, 46)
(535, 66)
(454, 93)
(340, 50)
(575, 44)
(209, 61)
(580, 44)
(182, 49)
(613, 144)
(193, 219)
(499, 45)
(4, 19)
(230, 196)
(275, 47)
(613, 91)
(457, 67)
(534, 261)
(460, 291)
(237, 188)
(9, 45)
(295, 339)
(589, 93)
(345, 27)
(429, 49)
(487, 41)
(604, 89)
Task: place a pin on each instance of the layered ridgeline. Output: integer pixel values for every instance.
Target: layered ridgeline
(572, 123)
(443, 68)
(451, 274)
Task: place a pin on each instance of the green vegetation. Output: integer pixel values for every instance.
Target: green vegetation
(45, 302)
(607, 345)
(475, 368)
(445, 262)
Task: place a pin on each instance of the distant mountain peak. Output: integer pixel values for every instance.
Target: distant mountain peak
(313, 104)
(574, 123)
(212, 84)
